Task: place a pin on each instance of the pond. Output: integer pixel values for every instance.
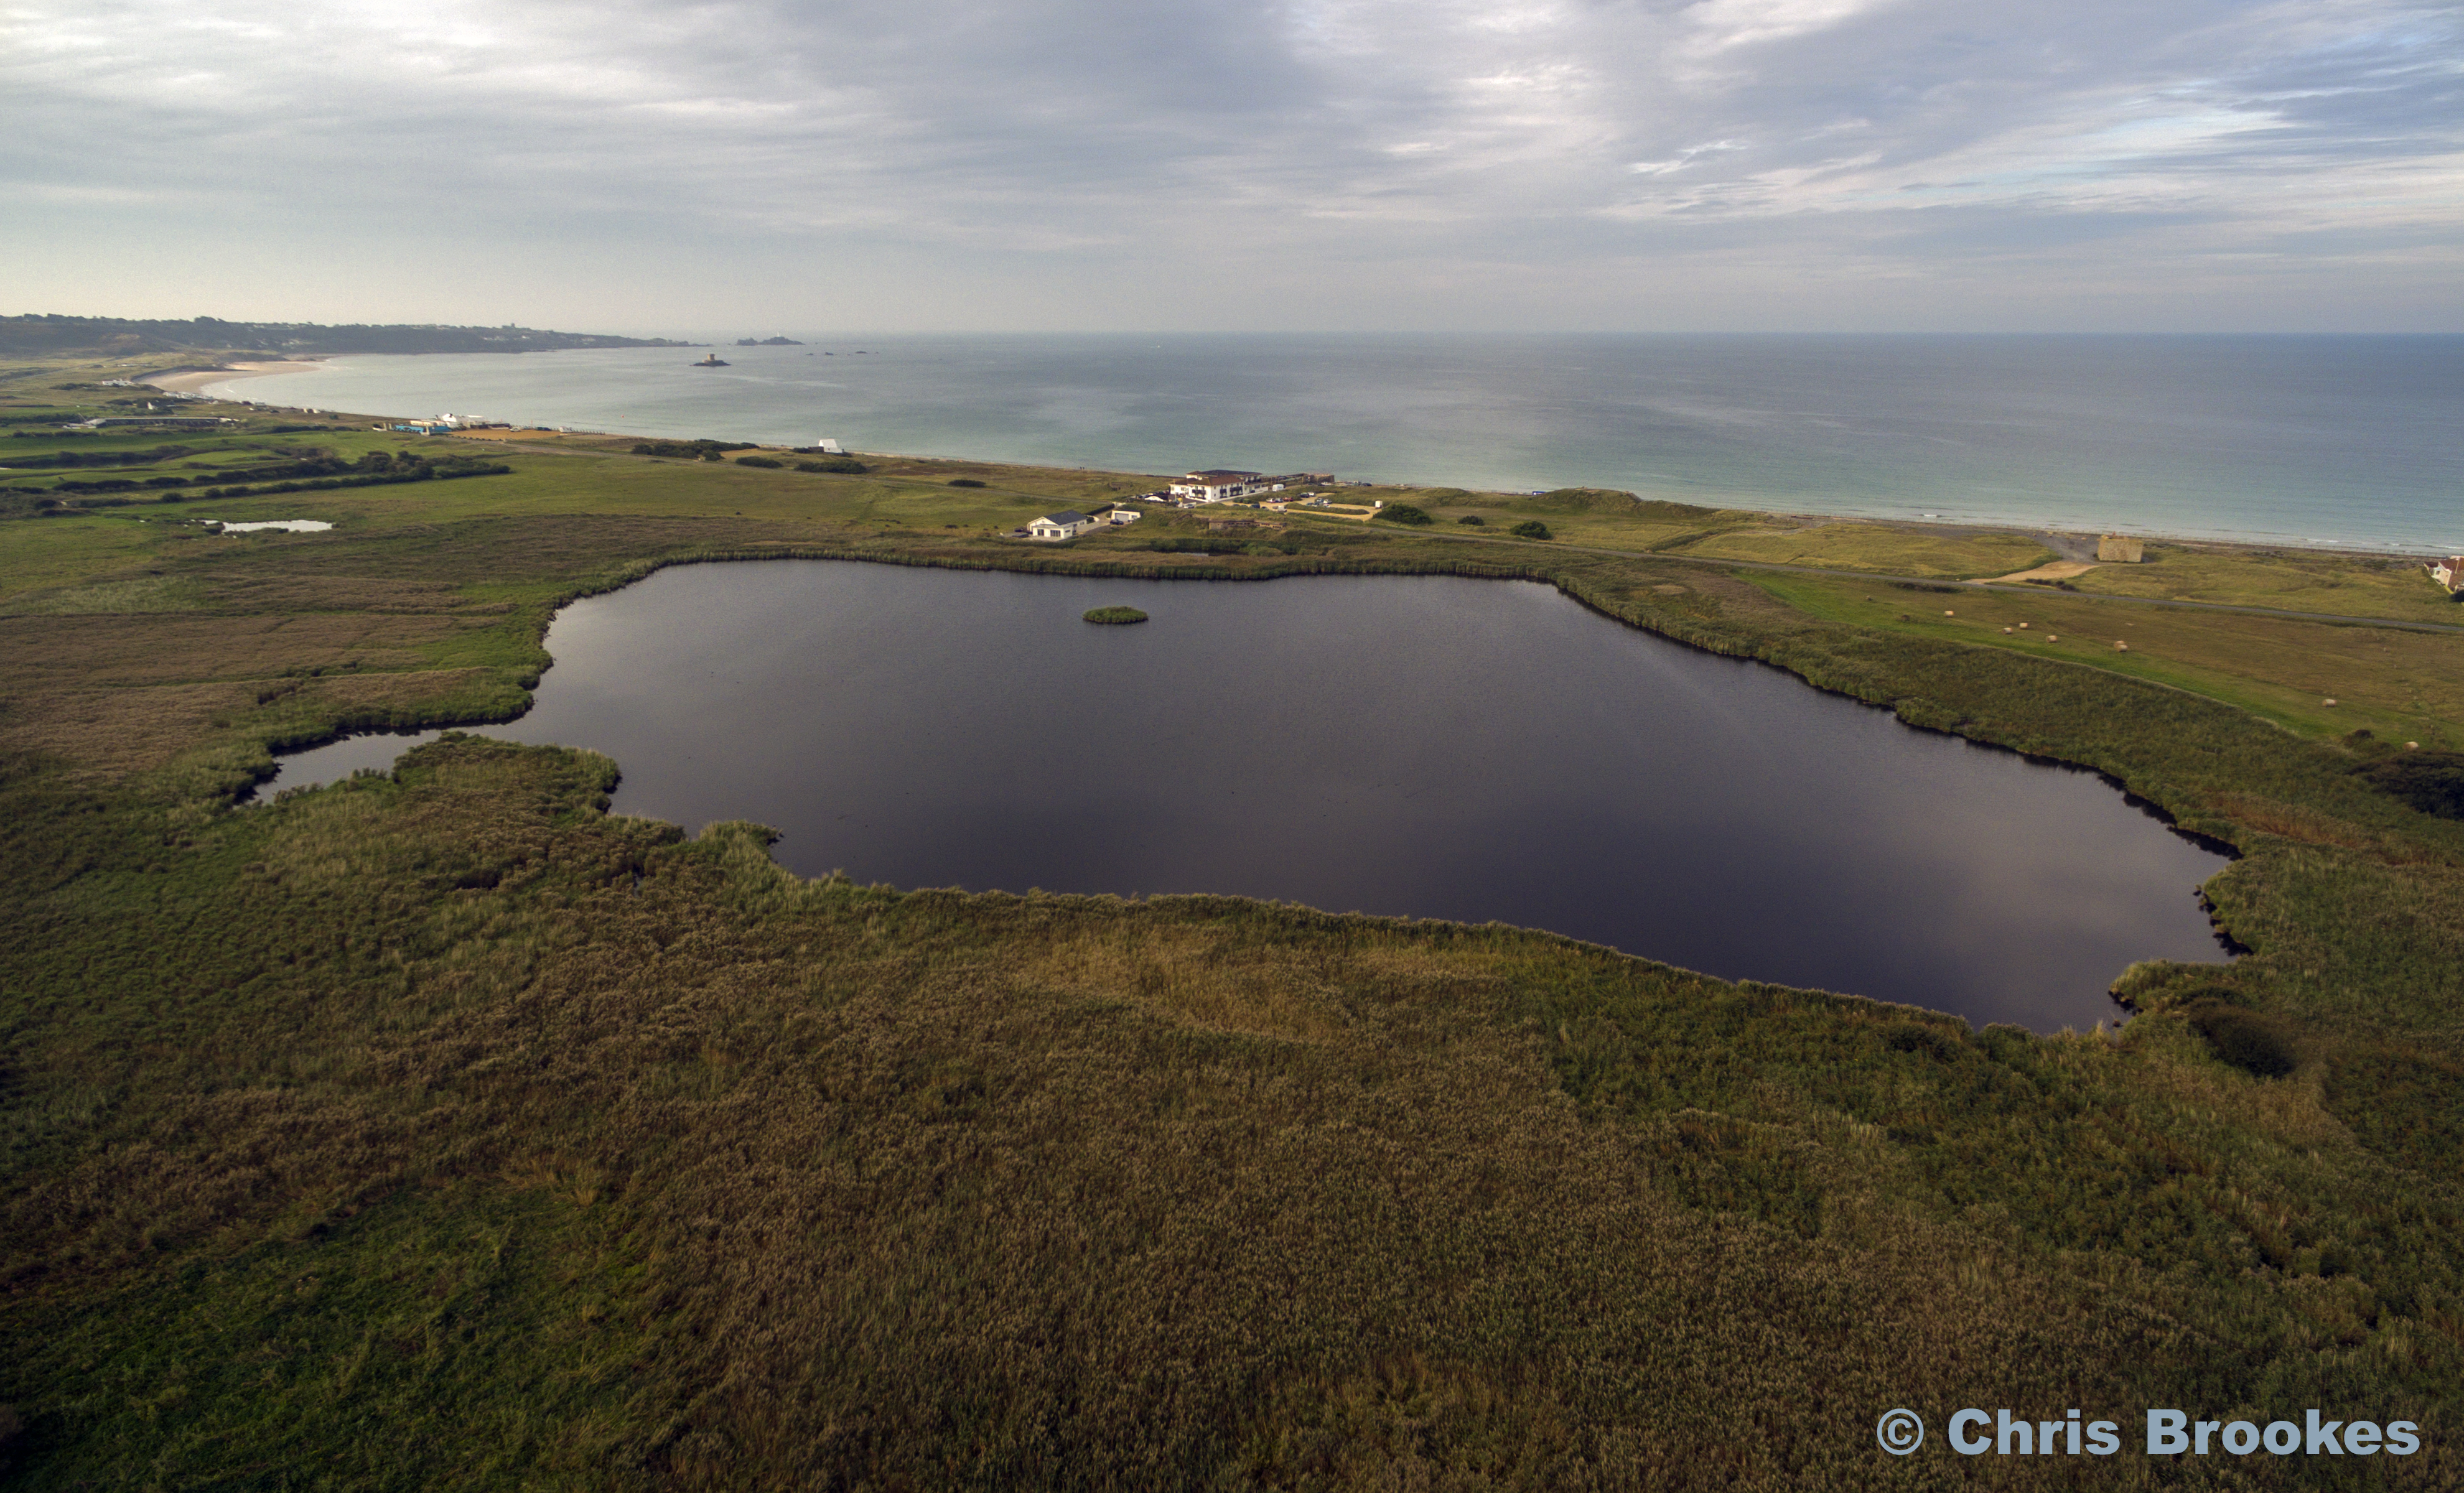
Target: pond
(1435, 747)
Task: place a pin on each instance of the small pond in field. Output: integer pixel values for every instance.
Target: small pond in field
(1432, 746)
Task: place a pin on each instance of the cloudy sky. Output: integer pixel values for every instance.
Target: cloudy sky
(960, 165)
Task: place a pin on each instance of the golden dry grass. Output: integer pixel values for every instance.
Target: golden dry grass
(112, 733)
(151, 649)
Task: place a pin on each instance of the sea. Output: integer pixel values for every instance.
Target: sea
(2334, 441)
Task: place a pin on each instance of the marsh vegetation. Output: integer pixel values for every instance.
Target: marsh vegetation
(441, 1129)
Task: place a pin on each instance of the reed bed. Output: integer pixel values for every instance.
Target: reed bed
(441, 1129)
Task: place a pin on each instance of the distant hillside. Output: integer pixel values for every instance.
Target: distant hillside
(67, 335)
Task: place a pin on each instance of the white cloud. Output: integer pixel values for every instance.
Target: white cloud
(1741, 23)
(1254, 146)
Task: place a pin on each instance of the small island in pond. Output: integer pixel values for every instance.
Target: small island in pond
(1116, 616)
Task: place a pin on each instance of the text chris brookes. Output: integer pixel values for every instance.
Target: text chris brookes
(2173, 1433)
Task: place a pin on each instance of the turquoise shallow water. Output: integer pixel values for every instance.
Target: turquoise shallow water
(2355, 441)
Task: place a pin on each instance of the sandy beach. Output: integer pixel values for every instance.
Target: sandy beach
(188, 381)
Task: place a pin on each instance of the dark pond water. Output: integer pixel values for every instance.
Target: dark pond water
(1437, 747)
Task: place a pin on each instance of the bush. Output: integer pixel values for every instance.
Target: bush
(1912, 1037)
(2431, 782)
(690, 451)
(834, 464)
(2243, 1039)
(144, 458)
(405, 470)
(1597, 499)
(1404, 513)
(760, 461)
(1115, 616)
(1530, 529)
(964, 482)
(1474, 520)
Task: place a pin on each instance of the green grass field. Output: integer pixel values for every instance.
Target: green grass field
(2297, 580)
(442, 1130)
(2395, 684)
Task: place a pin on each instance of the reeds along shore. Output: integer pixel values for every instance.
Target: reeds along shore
(443, 1129)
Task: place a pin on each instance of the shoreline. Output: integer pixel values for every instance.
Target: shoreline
(192, 380)
(2056, 535)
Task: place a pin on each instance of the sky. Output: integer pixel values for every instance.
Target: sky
(663, 168)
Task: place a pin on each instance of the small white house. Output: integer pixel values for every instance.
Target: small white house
(1053, 528)
(2449, 572)
(829, 448)
(1121, 516)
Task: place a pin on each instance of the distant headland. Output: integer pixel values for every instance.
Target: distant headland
(64, 336)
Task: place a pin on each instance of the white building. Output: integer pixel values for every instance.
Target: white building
(1218, 486)
(1053, 528)
(2449, 572)
(1120, 516)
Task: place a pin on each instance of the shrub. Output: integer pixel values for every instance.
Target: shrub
(690, 451)
(1530, 529)
(1663, 510)
(1404, 513)
(1597, 500)
(1115, 616)
(2243, 1039)
(760, 461)
(1474, 520)
(2431, 782)
(1911, 1036)
(964, 482)
(834, 464)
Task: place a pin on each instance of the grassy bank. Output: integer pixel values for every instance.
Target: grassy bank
(442, 1129)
